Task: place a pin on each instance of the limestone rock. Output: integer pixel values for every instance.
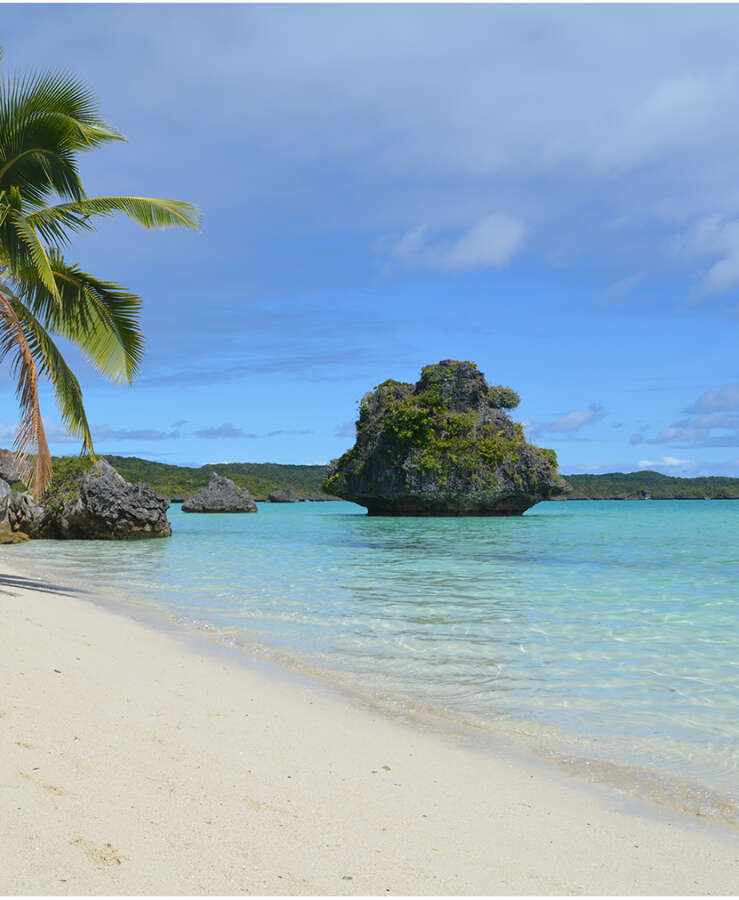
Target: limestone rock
(9, 469)
(5, 492)
(282, 496)
(443, 447)
(13, 537)
(98, 503)
(26, 516)
(220, 495)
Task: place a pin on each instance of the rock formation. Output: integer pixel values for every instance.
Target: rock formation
(282, 496)
(96, 503)
(443, 447)
(5, 493)
(9, 469)
(220, 495)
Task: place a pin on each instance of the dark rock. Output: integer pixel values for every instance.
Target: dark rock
(281, 496)
(443, 447)
(220, 495)
(26, 516)
(97, 503)
(5, 493)
(9, 468)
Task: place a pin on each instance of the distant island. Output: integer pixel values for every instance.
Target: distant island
(262, 479)
(648, 485)
(178, 482)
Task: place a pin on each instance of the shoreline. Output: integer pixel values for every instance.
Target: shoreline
(644, 786)
(135, 764)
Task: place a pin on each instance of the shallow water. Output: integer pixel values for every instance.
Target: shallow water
(605, 629)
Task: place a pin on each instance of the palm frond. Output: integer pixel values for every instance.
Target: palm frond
(99, 316)
(45, 119)
(31, 435)
(29, 248)
(52, 364)
(151, 212)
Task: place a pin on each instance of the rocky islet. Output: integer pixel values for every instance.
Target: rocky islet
(220, 495)
(443, 447)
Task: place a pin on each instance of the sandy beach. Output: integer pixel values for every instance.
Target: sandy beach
(133, 763)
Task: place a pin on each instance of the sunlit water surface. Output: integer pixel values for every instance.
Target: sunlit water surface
(606, 629)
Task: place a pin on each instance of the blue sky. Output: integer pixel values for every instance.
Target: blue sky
(550, 191)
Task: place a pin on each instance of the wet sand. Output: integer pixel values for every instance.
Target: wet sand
(132, 763)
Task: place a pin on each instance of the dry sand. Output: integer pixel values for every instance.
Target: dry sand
(132, 764)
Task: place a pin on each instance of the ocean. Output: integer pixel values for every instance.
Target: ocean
(603, 633)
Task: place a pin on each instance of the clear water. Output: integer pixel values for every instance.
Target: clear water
(605, 629)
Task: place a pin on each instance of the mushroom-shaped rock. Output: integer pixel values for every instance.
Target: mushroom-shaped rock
(96, 503)
(443, 447)
(283, 496)
(220, 495)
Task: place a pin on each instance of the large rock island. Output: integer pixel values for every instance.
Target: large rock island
(95, 502)
(220, 495)
(443, 447)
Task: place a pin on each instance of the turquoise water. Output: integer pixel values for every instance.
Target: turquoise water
(605, 629)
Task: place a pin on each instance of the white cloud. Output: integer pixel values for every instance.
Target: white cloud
(572, 421)
(669, 462)
(488, 244)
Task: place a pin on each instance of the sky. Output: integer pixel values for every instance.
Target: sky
(549, 191)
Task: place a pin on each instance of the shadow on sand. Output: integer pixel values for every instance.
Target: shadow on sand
(22, 583)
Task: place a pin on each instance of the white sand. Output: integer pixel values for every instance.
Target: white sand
(143, 767)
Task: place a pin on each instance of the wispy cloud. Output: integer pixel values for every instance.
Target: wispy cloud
(488, 244)
(286, 431)
(227, 430)
(721, 400)
(106, 433)
(670, 462)
(573, 421)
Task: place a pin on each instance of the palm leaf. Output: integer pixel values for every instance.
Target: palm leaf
(52, 364)
(99, 316)
(151, 212)
(30, 246)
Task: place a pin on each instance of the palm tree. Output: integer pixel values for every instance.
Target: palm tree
(46, 120)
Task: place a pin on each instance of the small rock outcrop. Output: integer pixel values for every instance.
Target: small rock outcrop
(95, 503)
(220, 495)
(443, 447)
(282, 496)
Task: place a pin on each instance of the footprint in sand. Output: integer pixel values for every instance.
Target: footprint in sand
(106, 855)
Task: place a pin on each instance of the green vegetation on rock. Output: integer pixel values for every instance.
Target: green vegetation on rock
(443, 446)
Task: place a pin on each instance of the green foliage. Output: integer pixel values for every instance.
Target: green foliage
(549, 455)
(621, 486)
(420, 424)
(260, 479)
(503, 397)
(46, 121)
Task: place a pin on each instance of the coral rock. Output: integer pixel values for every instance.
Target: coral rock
(443, 447)
(220, 495)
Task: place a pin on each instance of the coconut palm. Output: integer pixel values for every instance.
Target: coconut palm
(46, 121)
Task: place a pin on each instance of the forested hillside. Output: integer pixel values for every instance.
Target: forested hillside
(176, 482)
(634, 485)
